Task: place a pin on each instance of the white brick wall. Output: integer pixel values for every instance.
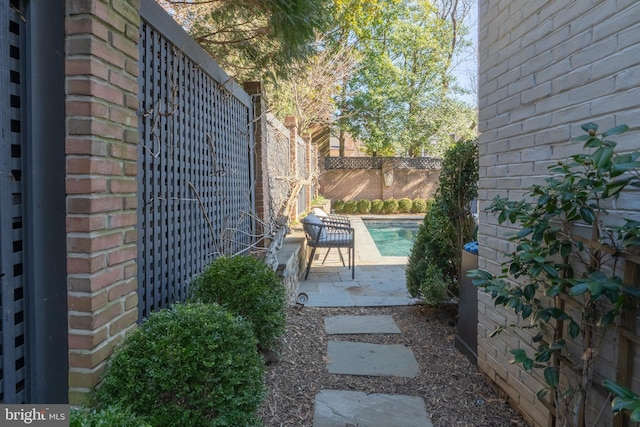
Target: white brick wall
(545, 68)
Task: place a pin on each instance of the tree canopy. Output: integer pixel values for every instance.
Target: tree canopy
(378, 69)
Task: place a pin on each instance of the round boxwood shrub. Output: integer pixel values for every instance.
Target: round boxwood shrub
(247, 287)
(376, 206)
(390, 206)
(404, 205)
(419, 206)
(350, 206)
(191, 365)
(364, 206)
(337, 205)
(109, 416)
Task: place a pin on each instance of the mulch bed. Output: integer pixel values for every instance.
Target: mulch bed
(454, 392)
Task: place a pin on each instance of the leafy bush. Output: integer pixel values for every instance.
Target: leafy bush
(404, 205)
(364, 206)
(434, 286)
(247, 287)
(191, 365)
(376, 206)
(390, 206)
(447, 225)
(109, 416)
(350, 206)
(337, 205)
(419, 206)
(431, 254)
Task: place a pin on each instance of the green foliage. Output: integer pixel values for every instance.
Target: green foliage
(431, 258)
(109, 416)
(448, 223)
(403, 97)
(247, 287)
(556, 262)
(191, 365)
(254, 40)
(390, 206)
(337, 205)
(434, 286)
(376, 206)
(404, 205)
(350, 207)
(419, 206)
(364, 206)
(624, 400)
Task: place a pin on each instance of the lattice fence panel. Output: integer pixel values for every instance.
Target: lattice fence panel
(12, 198)
(195, 185)
(376, 162)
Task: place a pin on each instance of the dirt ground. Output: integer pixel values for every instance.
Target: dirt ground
(454, 392)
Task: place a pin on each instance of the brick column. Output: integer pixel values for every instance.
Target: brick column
(101, 149)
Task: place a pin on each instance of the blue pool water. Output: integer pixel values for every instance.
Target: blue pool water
(393, 237)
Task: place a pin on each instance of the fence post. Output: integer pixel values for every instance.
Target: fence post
(260, 133)
(101, 158)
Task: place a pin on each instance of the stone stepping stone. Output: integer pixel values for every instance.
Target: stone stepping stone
(380, 324)
(336, 408)
(355, 358)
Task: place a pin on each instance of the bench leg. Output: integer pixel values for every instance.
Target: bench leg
(313, 252)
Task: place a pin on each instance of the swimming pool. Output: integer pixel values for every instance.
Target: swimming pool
(393, 237)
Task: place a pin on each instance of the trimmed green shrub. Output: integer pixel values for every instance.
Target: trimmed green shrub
(364, 206)
(404, 205)
(448, 223)
(419, 206)
(350, 206)
(434, 286)
(109, 416)
(376, 206)
(390, 206)
(192, 365)
(337, 205)
(247, 287)
(432, 253)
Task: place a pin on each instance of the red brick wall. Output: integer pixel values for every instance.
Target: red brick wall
(356, 184)
(101, 148)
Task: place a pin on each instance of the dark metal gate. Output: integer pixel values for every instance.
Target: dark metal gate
(32, 249)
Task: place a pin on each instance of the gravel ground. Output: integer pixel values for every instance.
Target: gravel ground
(454, 392)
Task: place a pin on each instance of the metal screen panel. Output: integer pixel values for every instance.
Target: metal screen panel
(276, 149)
(195, 168)
(12, 151)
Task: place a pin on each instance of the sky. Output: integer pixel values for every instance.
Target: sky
(466, 69)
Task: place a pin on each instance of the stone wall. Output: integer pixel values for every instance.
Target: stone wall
(545, 68)
(101, 149)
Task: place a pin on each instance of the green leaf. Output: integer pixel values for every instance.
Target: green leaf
(589, 126)
(605, 158)
(632, 291)
(551, 377)
(574, 329)
(616, 130)
(530, 291)
(635, 414)
(579, 289)
(527, 364)
(550, 270)
(587, 215)
(541, 394)
(619, 390)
